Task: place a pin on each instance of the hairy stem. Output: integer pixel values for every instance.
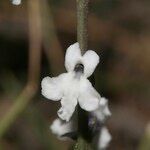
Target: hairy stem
(82, 23)
(82, 37)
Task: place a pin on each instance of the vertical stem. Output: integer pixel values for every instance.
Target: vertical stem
(82, 23)
(35, 41)
(82, 37)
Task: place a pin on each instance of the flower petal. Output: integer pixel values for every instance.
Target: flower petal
(68, 107)
(103, 112)
(104, 139)
(90, 60)
(88, 98)
(73, 56)
(60, 128)
(52, 87)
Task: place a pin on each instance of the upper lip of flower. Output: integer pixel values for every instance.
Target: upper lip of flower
(73, 57)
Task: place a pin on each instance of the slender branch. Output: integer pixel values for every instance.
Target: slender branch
(35, 40)
(17, 108)
(82, 37)
(34, 68)
(82, 24)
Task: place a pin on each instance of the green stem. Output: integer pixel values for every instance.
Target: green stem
(82, 145)
(17, 108)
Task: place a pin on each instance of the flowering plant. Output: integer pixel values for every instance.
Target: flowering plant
(72, 88)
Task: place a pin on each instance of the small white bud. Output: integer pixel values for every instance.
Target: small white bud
(16, 2)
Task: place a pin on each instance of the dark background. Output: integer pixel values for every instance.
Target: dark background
(119, 31)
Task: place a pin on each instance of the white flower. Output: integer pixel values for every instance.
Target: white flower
(104, 139)
(103, 112)
(16, 2)
(97, 120)
(73, 87)
(60, 128)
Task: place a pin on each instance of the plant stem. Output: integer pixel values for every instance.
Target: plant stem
(82, 37)
(17, 108)
(82, 24)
